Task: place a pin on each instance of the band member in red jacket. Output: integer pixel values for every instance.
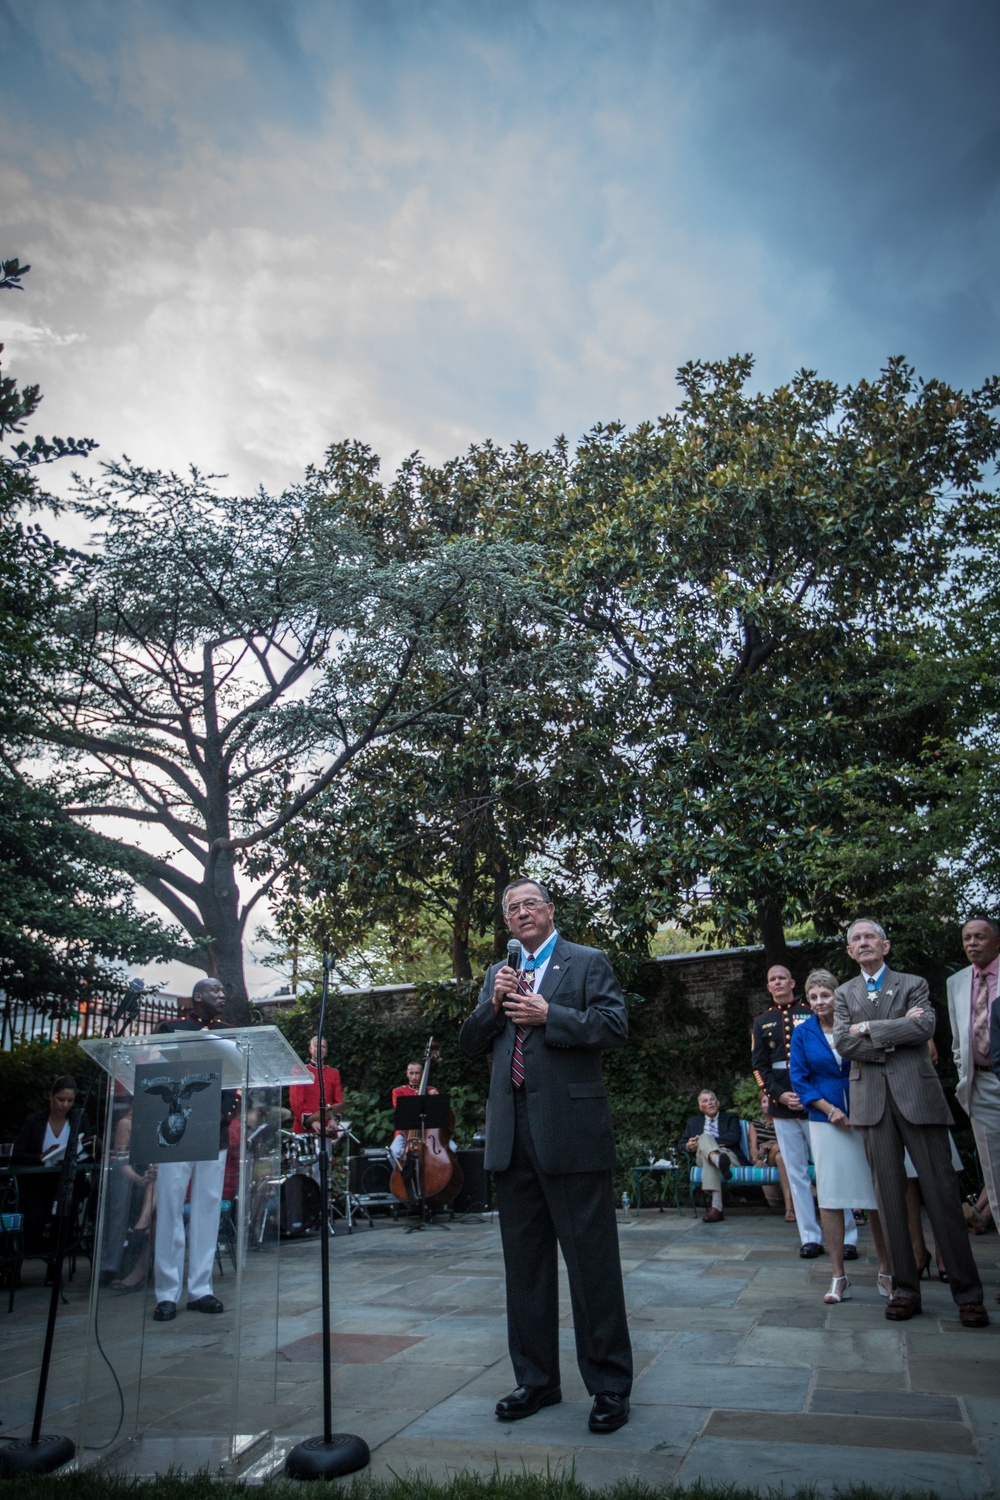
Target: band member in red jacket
(303, 1098)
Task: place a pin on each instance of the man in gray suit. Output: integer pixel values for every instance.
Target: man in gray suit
(883, 1022)
(550, 1145)
(971, 996)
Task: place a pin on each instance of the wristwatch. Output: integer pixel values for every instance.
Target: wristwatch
(863, 1028)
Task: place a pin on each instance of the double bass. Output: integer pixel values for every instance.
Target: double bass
(427, 1173)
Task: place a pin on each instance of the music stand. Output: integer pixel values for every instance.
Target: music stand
(422, 1112)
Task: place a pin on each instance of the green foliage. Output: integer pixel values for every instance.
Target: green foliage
(371, 1039)
(433, 824)
(68, 914)
(746, 714)
(745, 1099)
(28, 1072)
(224, 660)
(674, 1050)
(764, 573)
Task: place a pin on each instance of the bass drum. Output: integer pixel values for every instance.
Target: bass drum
(300, 1206)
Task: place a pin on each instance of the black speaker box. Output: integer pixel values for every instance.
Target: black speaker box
(476, 1195)
(370, 1174)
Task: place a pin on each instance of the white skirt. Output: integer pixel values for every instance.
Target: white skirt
(842, 1176)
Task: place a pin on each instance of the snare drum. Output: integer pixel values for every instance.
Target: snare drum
(298, 1151)
(300, 1206)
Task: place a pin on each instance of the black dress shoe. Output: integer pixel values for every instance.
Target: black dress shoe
(810, 1250)
(208, 1304)
(850, 1252)
(526, 1400)
(608, 1413)
(725, 1166)
(164, 1312)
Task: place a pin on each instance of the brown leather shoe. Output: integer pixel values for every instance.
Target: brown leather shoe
(973, 1315)
(898, 1309)
(713, 1216)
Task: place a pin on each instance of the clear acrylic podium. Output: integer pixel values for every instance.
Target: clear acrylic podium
(198, 1393)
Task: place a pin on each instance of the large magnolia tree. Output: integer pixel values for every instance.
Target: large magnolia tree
(754, 717)
(766, 573)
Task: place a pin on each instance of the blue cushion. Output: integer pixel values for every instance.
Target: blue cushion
(748, 1175)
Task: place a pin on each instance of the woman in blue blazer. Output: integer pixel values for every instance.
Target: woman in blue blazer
(843, 1181)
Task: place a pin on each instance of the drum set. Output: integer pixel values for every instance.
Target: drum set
(293, 1202)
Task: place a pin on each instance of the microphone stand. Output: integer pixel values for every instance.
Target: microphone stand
(45, 1451)
(334, 1453)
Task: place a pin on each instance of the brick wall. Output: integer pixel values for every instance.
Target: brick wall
(706, 979)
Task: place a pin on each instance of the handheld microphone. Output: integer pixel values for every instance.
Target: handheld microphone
(514, 951)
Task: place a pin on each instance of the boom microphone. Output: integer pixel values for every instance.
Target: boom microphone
(514, 954)
(128, 1005)
(135, 989)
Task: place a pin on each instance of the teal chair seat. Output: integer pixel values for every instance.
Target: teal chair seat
(743, 1176)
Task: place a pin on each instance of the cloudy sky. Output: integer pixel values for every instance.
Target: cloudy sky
(259, 226)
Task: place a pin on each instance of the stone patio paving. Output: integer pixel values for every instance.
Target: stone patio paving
(743, 1375)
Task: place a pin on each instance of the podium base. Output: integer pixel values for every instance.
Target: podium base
(25, 1457)
(317, 1459)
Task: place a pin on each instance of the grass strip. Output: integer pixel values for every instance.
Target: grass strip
(411, 1486)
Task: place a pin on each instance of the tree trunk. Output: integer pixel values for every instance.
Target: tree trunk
(501, 879)
(772, 931)
(461, 966)
(220, 910)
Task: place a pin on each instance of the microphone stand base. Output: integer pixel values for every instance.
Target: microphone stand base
(25, 1457)
(315, 1458)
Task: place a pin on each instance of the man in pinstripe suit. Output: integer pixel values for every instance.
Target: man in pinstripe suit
(883, 1022)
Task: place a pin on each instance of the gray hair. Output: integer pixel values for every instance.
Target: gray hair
(527, 880)
(821, 977)
(870, 922)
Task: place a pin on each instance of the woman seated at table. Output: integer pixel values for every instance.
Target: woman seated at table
(42, 1142)
(843, 1181)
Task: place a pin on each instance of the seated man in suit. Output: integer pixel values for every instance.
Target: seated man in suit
(714, 1139)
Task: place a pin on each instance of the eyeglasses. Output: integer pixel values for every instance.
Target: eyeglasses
(531, 904)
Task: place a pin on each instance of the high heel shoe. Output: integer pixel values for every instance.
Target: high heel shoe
(838, 1290)
(925, 1269)
(884, 1283)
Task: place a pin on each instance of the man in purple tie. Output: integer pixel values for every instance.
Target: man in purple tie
(546, 1015)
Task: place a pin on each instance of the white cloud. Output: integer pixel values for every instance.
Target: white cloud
(18, 335)
(414, 275)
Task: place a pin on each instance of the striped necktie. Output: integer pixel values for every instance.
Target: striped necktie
(525, 986)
